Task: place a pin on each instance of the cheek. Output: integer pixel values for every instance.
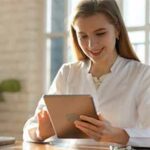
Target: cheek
(110, 41)
(82, 44)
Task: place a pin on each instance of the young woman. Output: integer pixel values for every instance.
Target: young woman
(108, 69)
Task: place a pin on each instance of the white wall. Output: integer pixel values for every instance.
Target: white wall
(22, 56)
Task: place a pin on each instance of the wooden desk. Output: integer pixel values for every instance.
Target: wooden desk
(19, 145)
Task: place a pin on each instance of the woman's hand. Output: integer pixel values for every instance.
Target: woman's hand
(45, 128)
(101, 130)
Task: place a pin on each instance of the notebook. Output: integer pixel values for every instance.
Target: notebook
(65, 109)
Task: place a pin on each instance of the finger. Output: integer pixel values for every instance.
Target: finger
(45, 114)
(91, 120)
(41, 115)
(97, 129)
(101, 117)
(86, 125)
(90, 133)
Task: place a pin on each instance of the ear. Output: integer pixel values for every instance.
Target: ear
(117, 31)
(117, 34)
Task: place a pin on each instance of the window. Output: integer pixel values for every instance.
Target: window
(56, 36)
(136, 15)
(57, 42)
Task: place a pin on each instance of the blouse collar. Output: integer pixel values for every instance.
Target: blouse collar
(113, 68)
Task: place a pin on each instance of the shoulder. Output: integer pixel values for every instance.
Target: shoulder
(133, 64)
(135, 67)
(74, 66)
(70, 69)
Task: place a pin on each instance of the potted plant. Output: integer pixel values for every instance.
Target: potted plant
(9, 85)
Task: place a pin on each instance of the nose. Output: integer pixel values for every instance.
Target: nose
(92, 43)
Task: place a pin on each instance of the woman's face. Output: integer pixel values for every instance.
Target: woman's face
(96, 36)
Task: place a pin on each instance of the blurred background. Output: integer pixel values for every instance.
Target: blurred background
(34, 44)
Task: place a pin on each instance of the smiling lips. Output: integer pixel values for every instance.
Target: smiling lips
(96, 53)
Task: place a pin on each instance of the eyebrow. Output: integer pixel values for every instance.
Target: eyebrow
(100, 29)
(97, 30)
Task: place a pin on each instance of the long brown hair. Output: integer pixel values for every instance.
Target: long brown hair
(109, 8)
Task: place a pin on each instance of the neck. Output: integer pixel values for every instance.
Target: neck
(102, 67)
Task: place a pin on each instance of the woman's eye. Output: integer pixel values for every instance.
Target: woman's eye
(83, 37)
(99, 34)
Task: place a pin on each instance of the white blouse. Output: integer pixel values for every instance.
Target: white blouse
(123, 97)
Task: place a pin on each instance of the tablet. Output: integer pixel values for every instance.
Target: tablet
(65, 109)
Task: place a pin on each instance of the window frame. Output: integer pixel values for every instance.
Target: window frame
(145, 28)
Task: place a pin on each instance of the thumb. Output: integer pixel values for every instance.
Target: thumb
(100, 117)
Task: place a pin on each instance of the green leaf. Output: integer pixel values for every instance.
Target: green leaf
(10, 85)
